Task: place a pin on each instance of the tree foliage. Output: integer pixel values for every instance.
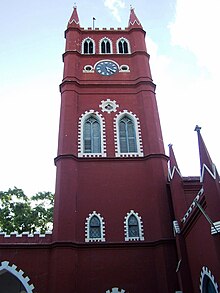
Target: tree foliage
(21, 213)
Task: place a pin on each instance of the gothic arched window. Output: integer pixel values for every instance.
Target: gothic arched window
(133, 227)
(127, 136)
(105, 46)
(94, 227)
(123, 46)
(88, 46)
(92, 135)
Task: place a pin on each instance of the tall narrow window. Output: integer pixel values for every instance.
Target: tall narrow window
(122, 46)
(105, 46)
(133, 227)
(92, 135)
(88, 46)
(127, 136)
(94, 227)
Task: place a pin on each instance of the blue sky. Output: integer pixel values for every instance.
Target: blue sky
(182, 39)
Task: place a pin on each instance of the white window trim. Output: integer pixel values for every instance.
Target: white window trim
(82, 119)
(137, 127)
(82, 48)
(100, 48)
(87, 227)
(140, 226)
(129, 47)
(4, 266)
(207, 273)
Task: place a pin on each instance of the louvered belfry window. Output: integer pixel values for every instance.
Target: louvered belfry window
(94, 227)
(123, 47)
(127, 136)
(105, 47)
(88, 47)
(133, 227)
(92, 136)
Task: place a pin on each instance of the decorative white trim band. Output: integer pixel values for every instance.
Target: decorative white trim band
(16, 234)
(172, 172)
(213, 173)
(4, 266)
(193, 204)
(216, 228)
(176, 228)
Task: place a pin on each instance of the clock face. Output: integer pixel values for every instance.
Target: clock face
(106, 68)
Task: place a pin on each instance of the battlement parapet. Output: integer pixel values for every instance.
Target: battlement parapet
(25, 237)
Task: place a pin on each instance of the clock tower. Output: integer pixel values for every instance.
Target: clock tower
(112, 208)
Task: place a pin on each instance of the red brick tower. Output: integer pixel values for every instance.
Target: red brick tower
(112, 221)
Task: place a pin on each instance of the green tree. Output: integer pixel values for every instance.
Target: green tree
(21, 213)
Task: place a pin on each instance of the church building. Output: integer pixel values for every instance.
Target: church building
(125, 219)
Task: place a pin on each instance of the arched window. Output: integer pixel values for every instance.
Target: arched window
(94, 227)
(88, 46)
(92, 135)
(207, 282)
(123, 47)
(105, 46)
(127, 137)
(133, 227)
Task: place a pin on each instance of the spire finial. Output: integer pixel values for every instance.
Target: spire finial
(74, 5)
(197, 128)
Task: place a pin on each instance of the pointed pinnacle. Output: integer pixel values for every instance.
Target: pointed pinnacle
(197, 128)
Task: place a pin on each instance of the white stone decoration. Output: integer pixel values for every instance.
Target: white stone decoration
(87, 227)
(88, 39)
(88, 69)
(4, 266)
(128, 43)
(115, 290)
(108, 106)
(140, 226)
(215, 228)
(137, 126)
(176, 227)
(124, 68)
(206, 273)
(192, 206)
(82, 119)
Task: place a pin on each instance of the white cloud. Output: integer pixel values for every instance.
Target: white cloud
(115, 6)
(196, 28)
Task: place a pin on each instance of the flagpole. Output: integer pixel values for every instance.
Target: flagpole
(93, 23)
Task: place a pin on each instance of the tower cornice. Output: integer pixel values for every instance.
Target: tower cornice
(112, 159)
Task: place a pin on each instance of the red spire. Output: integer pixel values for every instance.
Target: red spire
(206, 163)
(74, 19)
(133, 20)
(172, 164)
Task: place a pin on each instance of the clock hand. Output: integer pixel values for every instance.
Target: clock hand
(109, 69)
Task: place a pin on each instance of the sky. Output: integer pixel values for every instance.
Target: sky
(182, 38)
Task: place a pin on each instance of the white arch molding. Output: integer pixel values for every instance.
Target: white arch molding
(19, 274)
(206, 273)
